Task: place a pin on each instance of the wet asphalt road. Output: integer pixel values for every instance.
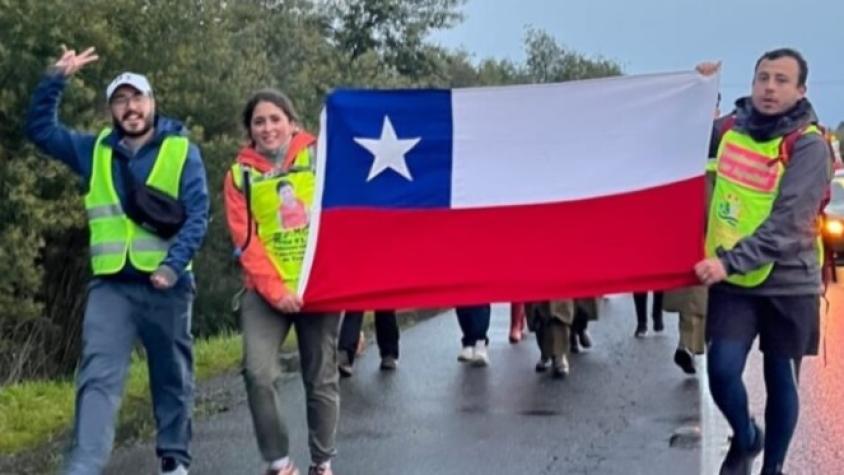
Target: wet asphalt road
(818, 444)
(615, 414)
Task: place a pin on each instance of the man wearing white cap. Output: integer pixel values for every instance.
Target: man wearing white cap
(147, 207)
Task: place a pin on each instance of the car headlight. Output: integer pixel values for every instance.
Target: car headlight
(834, 227)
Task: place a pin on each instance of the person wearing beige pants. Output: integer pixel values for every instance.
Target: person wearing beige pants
(690, 303)
(552, 323)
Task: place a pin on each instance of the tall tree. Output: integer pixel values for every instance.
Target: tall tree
(548, 61)
(394, 29)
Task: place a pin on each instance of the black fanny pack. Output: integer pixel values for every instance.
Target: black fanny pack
(150, 208)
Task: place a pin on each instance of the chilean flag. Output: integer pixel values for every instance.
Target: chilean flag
(430, 198)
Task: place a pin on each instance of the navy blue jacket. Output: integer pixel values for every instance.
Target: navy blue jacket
(76, 150)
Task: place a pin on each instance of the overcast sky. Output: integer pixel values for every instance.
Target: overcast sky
(647, 36)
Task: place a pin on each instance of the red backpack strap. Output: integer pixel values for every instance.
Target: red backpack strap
(791, 138)
(726, 124)
(827, 138)
(787, 145)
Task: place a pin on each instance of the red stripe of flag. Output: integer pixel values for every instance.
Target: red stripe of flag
(386, 258)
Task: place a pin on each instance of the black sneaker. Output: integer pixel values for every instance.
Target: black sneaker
(574, 345)
(684, 359)
(659, 325)
(542, 365)
(740, 461)
(320, 470)
(389, 363)
(641, 330)
(585, 338)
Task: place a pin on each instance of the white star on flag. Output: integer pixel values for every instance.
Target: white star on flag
(388, 151)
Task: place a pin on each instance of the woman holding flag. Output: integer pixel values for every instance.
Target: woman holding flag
(272, 175)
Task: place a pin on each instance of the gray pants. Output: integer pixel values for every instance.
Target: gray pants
(118, 313)
(264, 329)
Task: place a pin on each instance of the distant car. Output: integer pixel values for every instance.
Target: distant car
(833, 223)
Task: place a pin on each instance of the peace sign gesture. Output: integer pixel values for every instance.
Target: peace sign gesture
(70, 62)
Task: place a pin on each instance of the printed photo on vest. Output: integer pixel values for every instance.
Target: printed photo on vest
(281, 208)
(292, 211)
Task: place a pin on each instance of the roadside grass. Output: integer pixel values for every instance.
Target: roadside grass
(33, 413)
(36, 414)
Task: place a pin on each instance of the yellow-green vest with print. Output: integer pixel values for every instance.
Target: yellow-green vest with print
(280, 204)
(113, 236)
(748, 176)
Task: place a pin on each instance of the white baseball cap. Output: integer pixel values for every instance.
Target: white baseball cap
(137, 81)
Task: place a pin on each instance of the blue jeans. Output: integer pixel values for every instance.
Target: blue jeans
(118, 313)
(726, 361)
(474, 322)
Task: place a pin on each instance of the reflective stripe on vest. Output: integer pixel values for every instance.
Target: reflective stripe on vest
(280, 204)
(747, 184)
(113, 236)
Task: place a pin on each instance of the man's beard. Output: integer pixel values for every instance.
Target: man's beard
(148, 122)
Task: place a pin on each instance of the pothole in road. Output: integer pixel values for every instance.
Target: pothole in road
(685, 437)
(540, 412)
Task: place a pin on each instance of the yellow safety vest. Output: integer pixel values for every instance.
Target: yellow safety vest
(280, 204)
(113, 236)
(748, 175)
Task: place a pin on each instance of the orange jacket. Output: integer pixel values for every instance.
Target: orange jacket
(258, 271)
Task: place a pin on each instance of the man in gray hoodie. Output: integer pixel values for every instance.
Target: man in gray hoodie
(762, 264)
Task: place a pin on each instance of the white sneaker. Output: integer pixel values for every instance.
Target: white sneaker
(288, 469)
(481, 358)
(560, 367)
(170, 467)
(466, 354)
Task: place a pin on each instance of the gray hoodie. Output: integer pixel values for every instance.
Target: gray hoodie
(788, 238)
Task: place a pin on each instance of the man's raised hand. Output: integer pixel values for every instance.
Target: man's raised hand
(70, 62)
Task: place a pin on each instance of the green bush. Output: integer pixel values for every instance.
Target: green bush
(203, 58)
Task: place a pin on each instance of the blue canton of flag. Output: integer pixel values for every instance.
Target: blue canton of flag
(388, 149)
